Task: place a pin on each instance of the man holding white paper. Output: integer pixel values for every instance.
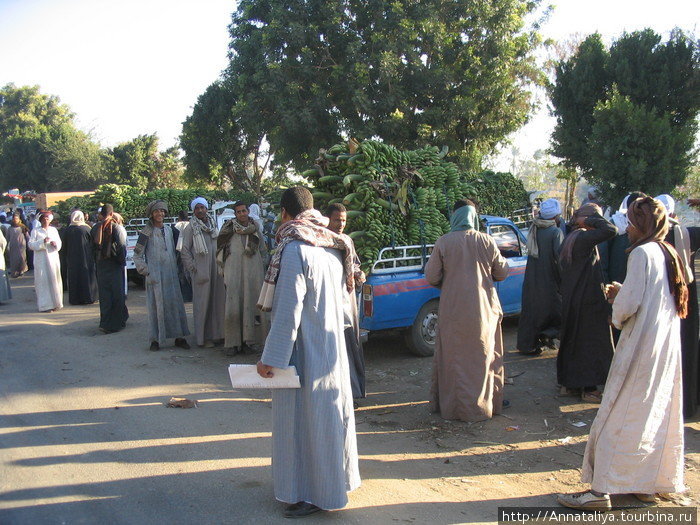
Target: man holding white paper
(314, 452)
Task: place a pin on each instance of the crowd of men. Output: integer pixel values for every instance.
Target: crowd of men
(618, 295)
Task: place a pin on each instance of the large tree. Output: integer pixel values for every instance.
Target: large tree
(138, 163)
(40, 146)
(305, 73)
(627, 116)
(221, 145)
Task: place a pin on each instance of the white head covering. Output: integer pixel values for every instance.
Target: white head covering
(668, 202)
(619, 219)
(254, 212)
(550, 209)
(199, 200)
(77, 218)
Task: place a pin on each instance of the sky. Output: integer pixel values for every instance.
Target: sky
(132, 67)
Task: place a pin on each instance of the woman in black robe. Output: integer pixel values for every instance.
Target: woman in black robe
(109, 242)
(80, 261)
(586, 345)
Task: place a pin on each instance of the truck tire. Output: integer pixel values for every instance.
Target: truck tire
(420, 338)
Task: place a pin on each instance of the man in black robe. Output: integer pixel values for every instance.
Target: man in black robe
(586, 345)
(80, 261)
(110, 253)
(540, 316)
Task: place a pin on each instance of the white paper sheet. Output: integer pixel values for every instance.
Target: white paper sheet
(246, 376)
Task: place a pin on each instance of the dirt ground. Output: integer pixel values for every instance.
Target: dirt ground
(85, 436)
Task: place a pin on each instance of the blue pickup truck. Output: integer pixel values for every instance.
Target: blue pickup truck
(397, 296)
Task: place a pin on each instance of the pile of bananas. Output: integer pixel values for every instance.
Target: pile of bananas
(393, 197)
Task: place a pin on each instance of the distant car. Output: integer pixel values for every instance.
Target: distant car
(397, 295)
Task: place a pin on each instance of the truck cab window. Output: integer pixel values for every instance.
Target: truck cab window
(506, 239)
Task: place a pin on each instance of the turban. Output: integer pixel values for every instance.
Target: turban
(47, 214)
(550, 209)
(668, 202)
(156, 205)
(199, 200)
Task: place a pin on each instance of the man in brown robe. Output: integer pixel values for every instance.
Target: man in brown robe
(239, 254)
(199, 259)
(468, 364)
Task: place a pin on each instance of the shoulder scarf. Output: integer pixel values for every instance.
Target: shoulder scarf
(103, 237)
(199, 228)
(532, 247)
(309, 227)
(231, 228)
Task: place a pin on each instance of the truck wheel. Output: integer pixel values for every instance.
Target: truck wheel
(421, 337)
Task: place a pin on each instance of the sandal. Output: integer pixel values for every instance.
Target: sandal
(592, 397)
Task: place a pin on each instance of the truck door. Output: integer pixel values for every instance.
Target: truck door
(511, 243)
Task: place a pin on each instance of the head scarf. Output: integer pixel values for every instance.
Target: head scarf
(254, 212)
(668, 202)
(47, 214)
(549, 209)
(102, 234)
(464, 218)
(311, 228)
(77, 218)
(198, 200)
(649, 217)
(156, 205)
(619, 219)
(586, 210)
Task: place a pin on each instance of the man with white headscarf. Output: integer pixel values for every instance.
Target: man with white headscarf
(198, 254)
(154, 257)
(45, 242)
(540, 317)
(613, 254)
(686, 241)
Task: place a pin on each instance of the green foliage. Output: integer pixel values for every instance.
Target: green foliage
(403, 197)
(224, 142)
(40, 147)
(634, 147)
(304, 74)
(580, 83)
(131, 202)
(138, 163)
(497, 193)
(627, 117)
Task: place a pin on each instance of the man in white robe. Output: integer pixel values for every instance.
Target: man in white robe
(314, 457)
(198, 254)
(45, 242)
(239, 253)
(636, 441)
